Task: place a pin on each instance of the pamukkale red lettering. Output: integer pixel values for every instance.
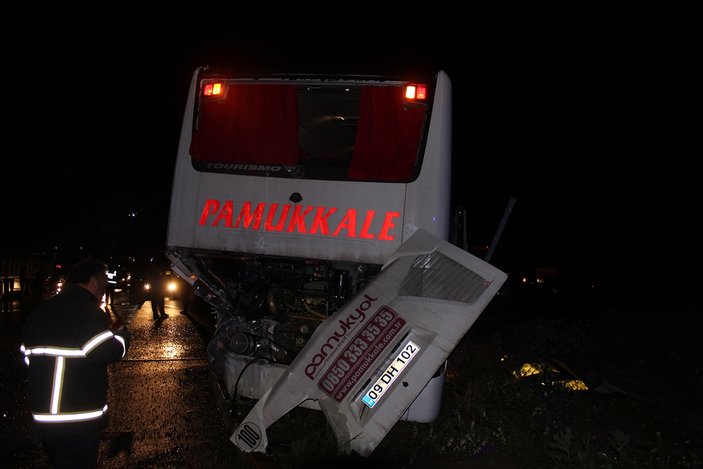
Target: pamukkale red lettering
(221, 213)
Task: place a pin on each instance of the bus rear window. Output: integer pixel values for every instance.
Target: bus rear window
(313, 130)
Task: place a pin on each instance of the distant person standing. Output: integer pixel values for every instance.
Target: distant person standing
(7, 285)
(68, 345)
(23, 281)
(110, 287)
(157, 281)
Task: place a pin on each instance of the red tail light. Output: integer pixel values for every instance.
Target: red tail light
(213, 89)
(416, 92)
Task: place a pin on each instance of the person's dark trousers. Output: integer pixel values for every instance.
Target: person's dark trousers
(158, 308)
(78, 451)
(109, 295)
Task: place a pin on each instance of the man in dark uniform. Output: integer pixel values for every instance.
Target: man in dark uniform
(158, 285)
(68, 345)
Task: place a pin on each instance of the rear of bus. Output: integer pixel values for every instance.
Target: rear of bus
(290, 193)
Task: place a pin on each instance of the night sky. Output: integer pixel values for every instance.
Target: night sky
(589, 117)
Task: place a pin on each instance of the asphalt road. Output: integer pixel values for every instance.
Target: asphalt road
(163, 411)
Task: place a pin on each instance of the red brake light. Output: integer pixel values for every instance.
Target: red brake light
(213, 89)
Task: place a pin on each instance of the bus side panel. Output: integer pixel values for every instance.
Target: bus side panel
(428, 203)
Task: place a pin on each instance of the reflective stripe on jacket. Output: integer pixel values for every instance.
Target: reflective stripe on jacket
(60, 356)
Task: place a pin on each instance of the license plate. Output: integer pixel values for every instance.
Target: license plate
(392, 372)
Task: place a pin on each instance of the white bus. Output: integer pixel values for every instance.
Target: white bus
(290, 194)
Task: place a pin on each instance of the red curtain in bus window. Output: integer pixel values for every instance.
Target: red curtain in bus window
(387, 137)
(252, 124)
